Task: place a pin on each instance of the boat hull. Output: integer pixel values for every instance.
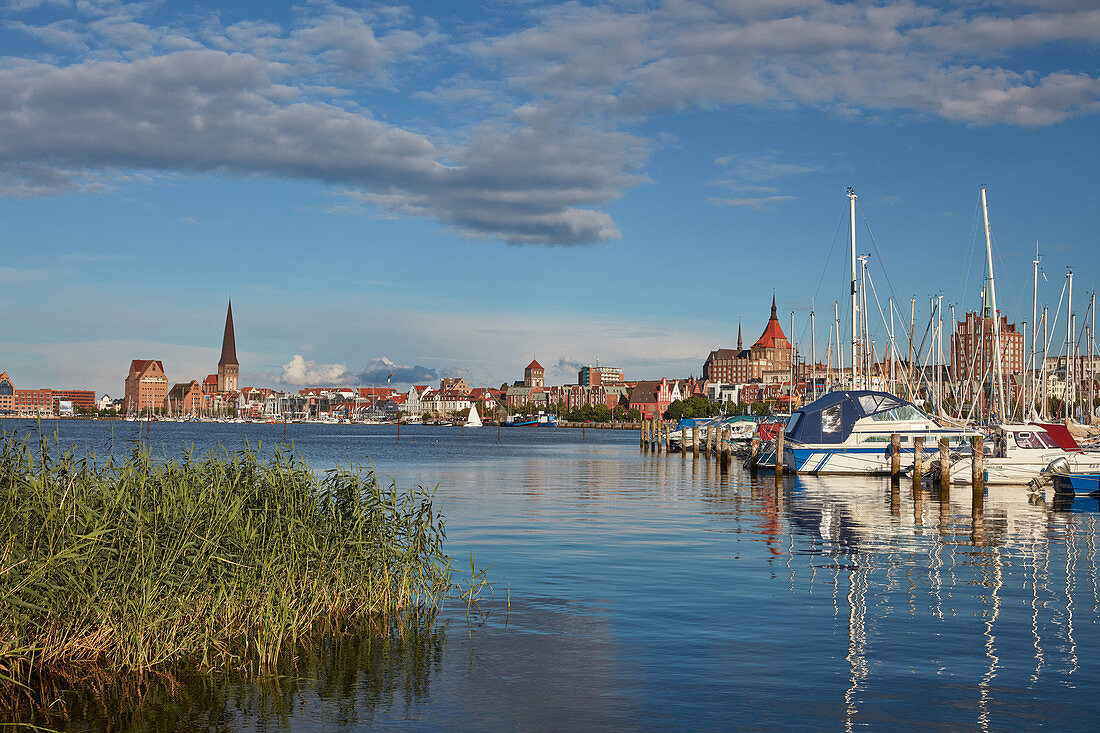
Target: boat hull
(1077, 483)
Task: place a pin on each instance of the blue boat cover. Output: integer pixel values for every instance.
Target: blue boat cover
(830, 419)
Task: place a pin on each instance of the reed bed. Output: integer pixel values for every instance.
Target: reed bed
(220, 561)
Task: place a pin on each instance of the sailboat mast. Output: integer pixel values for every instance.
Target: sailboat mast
(1046, 349)
(998, 367)
(855, 285)
(813, 358)
(839, 359)
(1034, 324)
(893, 386)
(1068, 396)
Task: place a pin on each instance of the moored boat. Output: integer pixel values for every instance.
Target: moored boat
(848, 432)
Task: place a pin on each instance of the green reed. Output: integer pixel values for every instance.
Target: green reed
(219, 561)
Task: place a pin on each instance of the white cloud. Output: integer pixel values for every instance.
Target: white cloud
(301, 372)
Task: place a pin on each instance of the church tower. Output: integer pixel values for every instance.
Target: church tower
(228, 368)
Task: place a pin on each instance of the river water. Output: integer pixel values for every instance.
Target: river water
(639, 591)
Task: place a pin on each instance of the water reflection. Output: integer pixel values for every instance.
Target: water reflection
(654, 591)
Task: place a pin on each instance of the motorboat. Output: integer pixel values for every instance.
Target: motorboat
(1018, 453)
(849, 432)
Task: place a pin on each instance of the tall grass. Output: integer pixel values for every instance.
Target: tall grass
(223, 560)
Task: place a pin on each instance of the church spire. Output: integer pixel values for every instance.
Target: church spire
(773, 304)
(739, 334)
(229, 344)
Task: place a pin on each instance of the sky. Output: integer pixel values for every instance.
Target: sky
(452, 189)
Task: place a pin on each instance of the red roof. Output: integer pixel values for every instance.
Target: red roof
(211, 379)
(773, 333)
(534, 365)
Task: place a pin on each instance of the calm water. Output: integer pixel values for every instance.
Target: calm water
(633, 591)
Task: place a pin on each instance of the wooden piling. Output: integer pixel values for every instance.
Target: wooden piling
(945, 462)
(977, 464)
(754, 453)
(641, 434)
(724, 448)
(665, 430)
(918, 460)
(779, 455)
(895, 456)
(695, 442)
(683, 442)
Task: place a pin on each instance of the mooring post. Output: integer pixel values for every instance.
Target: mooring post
(724, 448)
(695, 442)
(779, 455)
(665, 435)
(683, 442)
(918, 460)
(977, 464)
(754, 453)
(895, 456)
(945, 462)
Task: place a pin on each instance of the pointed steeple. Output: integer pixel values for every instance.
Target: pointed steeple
(773, 304)
(739, 335)
(229, 343)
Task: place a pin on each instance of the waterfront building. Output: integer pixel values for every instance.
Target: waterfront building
(185, 398)
(82, 398)
(7, 396)
(652, 398)
(454, 384)
(769, 359)
(146, 386)
(228, 367)
(591, 376)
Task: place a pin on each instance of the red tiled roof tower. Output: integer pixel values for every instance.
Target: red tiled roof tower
(773, 336)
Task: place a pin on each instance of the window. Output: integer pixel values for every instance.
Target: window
(831, 419)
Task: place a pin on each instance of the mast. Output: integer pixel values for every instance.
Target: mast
(1034, 325)
(939, 354)
(909, 365)
(839, 360)
(1069, 345)
(997, 365)
(1046, 349)
(855, 299)
(1092, 374)
(893, 386)
(813, 358)
(790, 402)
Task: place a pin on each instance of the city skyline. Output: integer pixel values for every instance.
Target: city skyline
(453, 191)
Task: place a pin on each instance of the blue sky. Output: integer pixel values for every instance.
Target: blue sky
(455, 188)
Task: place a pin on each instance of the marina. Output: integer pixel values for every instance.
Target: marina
(650, 590)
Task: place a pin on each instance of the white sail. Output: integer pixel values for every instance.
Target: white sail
(474, 420)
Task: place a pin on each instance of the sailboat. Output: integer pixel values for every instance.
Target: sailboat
(474, 420)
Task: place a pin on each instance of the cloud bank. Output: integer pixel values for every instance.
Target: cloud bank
(539, 124)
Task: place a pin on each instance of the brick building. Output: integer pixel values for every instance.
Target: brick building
(186, 398)
(146, 386)
(770, 355)
(7, 396)
(973, 355)
(228, 367)
(534, 375)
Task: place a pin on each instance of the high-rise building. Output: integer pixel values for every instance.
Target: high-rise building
(228, 368)
(594, 376)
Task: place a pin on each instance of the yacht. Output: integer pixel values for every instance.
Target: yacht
(848, 432)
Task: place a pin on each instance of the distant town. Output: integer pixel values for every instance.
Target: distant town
(769, 376)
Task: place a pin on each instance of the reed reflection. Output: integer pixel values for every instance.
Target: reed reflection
(349, 680)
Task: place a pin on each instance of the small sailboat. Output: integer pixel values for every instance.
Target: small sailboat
(474, 420)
